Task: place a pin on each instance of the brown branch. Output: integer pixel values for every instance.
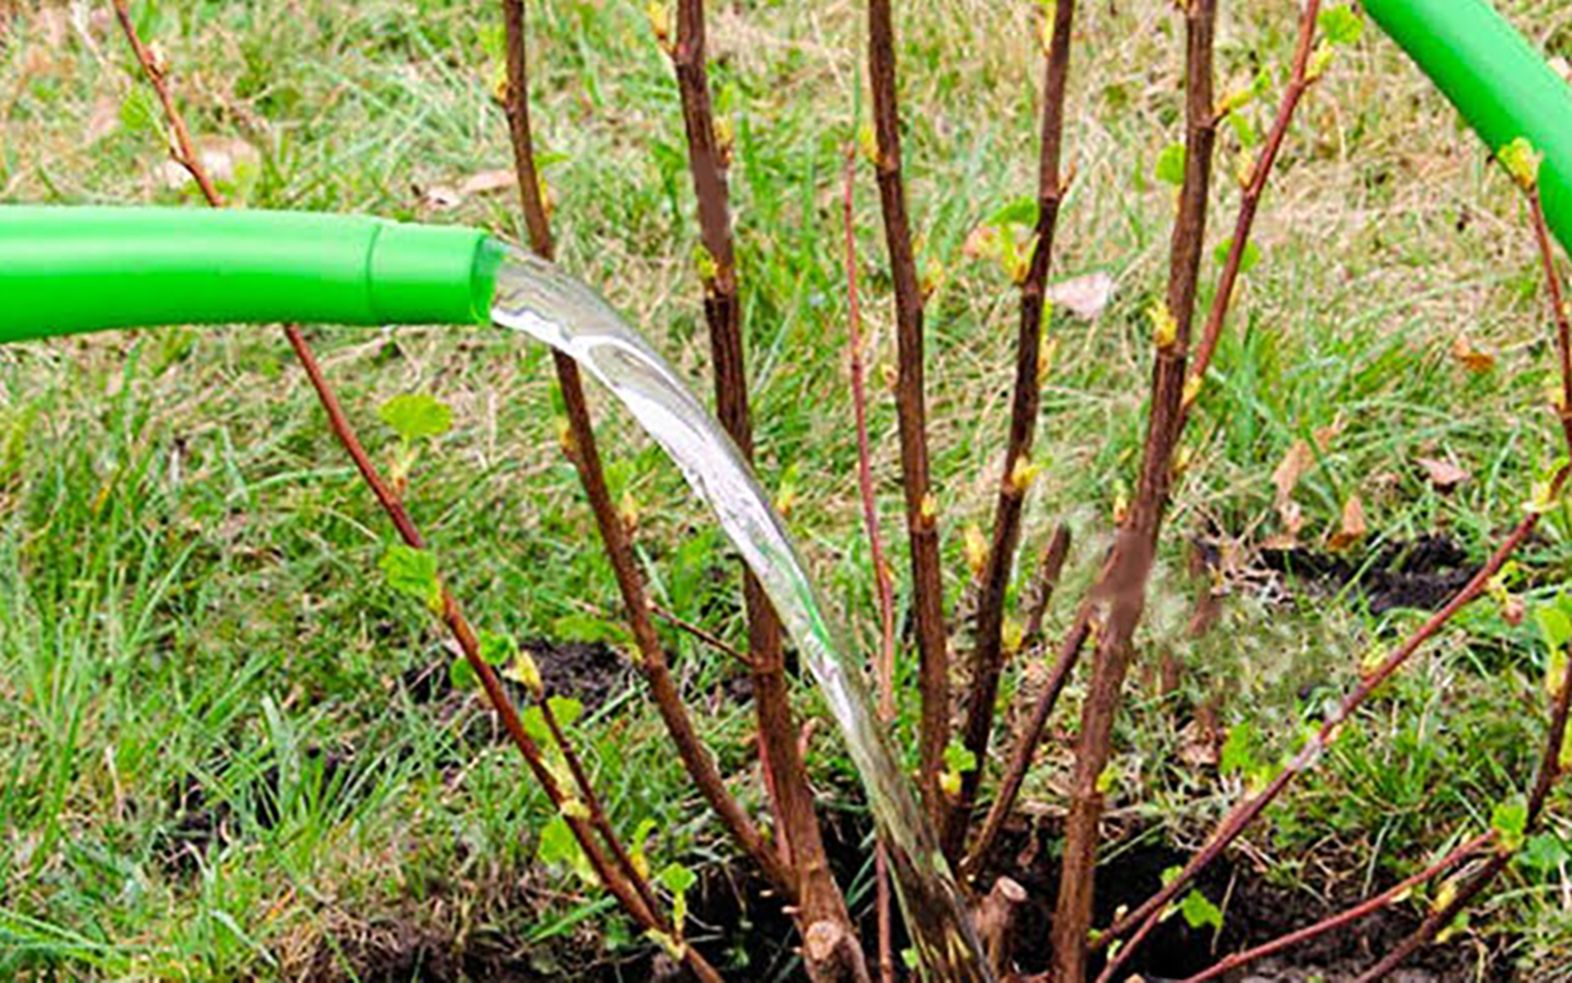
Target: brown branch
(819, 898)
(884, 664)
(1026, 744)
(652, 661)
(1298, 84)
(624, 882)
(921, 507)
(988, 658)
(1120, 594)
(1049, 568)
(1343, 919)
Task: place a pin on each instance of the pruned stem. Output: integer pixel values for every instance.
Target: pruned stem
(988, 658)
(819, 899)
(922, 520)
(585, 454)
(1120, 594)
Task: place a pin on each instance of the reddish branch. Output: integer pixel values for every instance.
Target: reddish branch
(614, 535)
(1246, 812)
(820, 901)
(631, 889)
(921, 508)
(1120, 594)
(1343, 919)
(1299, 83)
(884, 664)
(988, 659)
(1552, 765)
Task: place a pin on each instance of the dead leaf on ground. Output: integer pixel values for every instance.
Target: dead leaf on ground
(1472, 358)
(441, 196)
(1353, 526)
(1198, 746)
(1290, 469)
(1084, 296)
(485, 182)
(1444, 475)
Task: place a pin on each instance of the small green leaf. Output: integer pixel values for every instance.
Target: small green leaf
(497, 649)
(909, 958)
(959, 758)
(558, 846)
(676, 878)
(1247, 260)
(1510, 820)
(462, 675)
(1170, 165)
(1199, 912)
(1244, 129)
(417, 415)
(566, 709)
(1521, 161)
(1543, 852)
(1554, 626)
(1238, 754)
(1341, 25)
(1021, 211)
(413, 573)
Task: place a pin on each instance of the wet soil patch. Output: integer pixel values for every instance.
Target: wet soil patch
(1422, 573)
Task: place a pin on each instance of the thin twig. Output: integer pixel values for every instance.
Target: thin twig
(701, 633)
(819, 899)
(988, 658)
(1299, 83)
(622, 879)
(884, 663)
(1120, 595)
(585, 454)
(1343, 919)
(922, 510)
(1240, 818)
(1552, 766)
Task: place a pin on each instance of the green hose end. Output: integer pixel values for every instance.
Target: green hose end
(1499, 82)
(429, 274)
(66, 270)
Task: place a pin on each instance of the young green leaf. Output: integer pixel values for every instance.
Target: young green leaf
(1521, 161)
(1170, 165)
(414, 416)
(1247, 260)
(1543, 852)
(1238, 754)
(1199, 912)
(413, 572)
(1510, 820)
(1341, 25)
(497, 649)
(462, 675)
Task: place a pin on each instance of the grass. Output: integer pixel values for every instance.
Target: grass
(191, 623)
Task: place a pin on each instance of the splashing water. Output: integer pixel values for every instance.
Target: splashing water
(534, 297)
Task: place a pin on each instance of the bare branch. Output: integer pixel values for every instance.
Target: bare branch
(922, 520)
(1120, 595)
(988, 659)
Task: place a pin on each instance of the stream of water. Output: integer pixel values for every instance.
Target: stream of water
(536, 298)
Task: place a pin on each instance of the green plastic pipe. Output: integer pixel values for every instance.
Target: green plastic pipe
(1497, 80)
(65, 270)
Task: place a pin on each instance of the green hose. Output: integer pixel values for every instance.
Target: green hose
(64, 270)
(1497, 80)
